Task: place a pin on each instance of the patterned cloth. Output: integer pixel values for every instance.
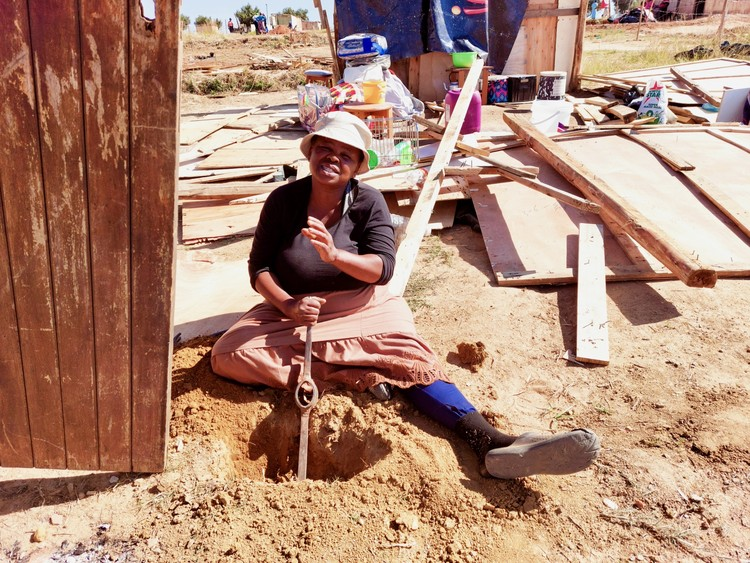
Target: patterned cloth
(346, 93)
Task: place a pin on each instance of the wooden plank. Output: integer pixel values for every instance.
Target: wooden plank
(674, 161)
(105, 73)
(583, 112)
(228, 176)
(193, 131)
(732, 141)
(654, 239)
(601, 102)
(244, 155)
(54, 35)
(597, 115)
(15, 439)
(22, 187)
(696, 88)
(154, 79)
(592, 333)
(622, 112)
(227, 190)
(217, 220)
(409, 247)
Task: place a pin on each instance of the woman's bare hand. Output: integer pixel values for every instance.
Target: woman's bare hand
(305, 311)
(321, 240)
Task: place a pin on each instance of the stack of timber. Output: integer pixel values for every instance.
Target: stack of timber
(229, 157)
(689, 86)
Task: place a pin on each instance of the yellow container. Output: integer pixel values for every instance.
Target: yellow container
(374, 91)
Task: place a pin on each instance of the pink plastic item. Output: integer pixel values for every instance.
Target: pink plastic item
(473, 120)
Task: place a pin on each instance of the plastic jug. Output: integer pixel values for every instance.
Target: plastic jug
(473, 120)
(373, 91)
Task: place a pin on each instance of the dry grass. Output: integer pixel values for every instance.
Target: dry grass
(613, 48)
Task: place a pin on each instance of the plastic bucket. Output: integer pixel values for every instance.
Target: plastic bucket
(373, 91)
(551, 85)
(549, 115)
(464, 60)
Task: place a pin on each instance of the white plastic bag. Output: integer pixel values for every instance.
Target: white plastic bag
(655, 102)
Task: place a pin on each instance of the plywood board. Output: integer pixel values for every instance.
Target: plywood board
(203, 308)
(270, 149)
(217, 220)
(520, 255)
(717, 176)
(523, 254)
(662, 196)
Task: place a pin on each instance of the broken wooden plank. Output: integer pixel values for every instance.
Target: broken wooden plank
(583, 112)
(234, 175)
(675, 161)
(597, 115)
(696, 88)
(193, 131)
(245, 154)
(592, 334)
(692, 272)
(601, 102)
(227, 190)
(622, 112)
(409, 247)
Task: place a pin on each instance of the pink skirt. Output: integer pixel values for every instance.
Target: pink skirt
(363, 337)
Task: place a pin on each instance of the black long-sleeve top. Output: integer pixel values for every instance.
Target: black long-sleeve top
(365, 227)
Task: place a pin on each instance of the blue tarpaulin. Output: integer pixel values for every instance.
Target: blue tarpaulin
(417, 27)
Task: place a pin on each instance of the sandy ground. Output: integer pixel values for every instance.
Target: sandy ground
(386, 484)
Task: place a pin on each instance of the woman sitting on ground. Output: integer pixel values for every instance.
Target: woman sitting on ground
(322, 255)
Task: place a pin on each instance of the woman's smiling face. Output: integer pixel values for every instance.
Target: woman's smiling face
(333, 162)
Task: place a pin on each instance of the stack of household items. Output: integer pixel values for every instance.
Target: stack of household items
(369, 90)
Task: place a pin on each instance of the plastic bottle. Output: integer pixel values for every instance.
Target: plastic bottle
(473, 120)
(405, 153)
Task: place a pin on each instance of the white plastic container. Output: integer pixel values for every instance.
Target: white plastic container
(548, 115)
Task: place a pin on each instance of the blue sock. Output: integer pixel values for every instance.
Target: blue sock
(440, 401)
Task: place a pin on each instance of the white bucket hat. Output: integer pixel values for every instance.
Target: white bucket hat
(345, 128)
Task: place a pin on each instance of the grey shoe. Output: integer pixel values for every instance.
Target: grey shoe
(382, 391)
(534, 454)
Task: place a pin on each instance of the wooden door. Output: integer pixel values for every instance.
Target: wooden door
(87, 228)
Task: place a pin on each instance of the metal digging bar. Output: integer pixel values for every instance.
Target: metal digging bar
(306, 395)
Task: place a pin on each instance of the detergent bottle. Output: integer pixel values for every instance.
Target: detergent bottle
(473, 120)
